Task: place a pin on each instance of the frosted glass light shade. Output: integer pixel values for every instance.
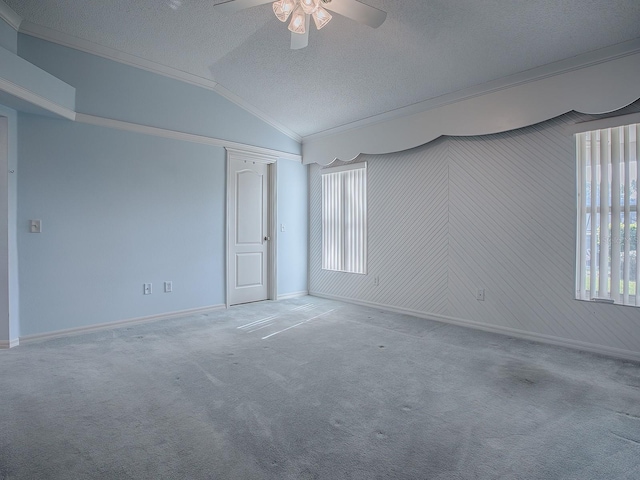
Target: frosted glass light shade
(283, 8)
(321, 17)
(298, 21)
(309, 6)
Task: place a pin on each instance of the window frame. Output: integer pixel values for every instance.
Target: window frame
(595, 209)
(358, 240)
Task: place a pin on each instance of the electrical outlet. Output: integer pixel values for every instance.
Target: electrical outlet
(168, 287)
(376, 281)
(147, 289)
(480, 294)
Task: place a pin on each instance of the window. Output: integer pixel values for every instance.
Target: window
(607, 171)
(344, 218)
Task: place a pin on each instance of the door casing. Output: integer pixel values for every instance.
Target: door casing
(272, 221)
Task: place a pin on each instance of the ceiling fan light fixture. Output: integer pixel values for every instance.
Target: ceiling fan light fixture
(283, 8)
(298, 21)
(309, 6)
(321, 17)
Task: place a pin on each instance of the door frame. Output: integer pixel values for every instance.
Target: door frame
(272, 220)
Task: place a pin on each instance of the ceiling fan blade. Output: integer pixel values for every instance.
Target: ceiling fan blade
(232, 6)
(357, 11)
(300, 40)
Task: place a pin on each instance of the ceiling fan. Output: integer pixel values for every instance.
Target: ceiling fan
(301, 11)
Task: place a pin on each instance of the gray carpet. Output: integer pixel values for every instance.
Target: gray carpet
(347, 393)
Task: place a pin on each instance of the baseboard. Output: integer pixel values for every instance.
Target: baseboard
(118, 323)
(4, 344)
(293, 295)
(512, 332)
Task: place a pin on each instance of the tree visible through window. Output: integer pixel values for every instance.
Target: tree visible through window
(344, 218)
(607, 260)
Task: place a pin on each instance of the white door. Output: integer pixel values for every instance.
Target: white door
(248, 240)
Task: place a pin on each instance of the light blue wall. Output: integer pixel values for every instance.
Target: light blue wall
(114, 90)
(8, 37)
(12, 330)
(22, 73)
(293, 209)
(118, 209)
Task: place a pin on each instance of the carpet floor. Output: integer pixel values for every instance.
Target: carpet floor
(309, 388)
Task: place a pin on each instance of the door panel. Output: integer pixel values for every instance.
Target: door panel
(249, 272)
(249, 207)
(248, 244)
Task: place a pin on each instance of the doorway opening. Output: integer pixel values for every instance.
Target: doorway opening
(251, 232)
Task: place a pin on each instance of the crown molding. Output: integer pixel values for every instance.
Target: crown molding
(539, 73)
(232, 97)
(9, 16)
(183, 136)
(109, 53)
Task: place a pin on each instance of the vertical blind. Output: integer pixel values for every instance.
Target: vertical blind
(606, 260)
(344, 218)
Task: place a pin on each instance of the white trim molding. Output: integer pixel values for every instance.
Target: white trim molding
(272, 220)
(609, 122)
(8, 15)
(117, 324)
(344, 168)
(65, 40)
(186, 137)
(252, 155)
(511, 332)
(287, 296)
(273, 231)
(232, 97)
(4, 344)
(35, 99)
(86, 46)
(594, 83)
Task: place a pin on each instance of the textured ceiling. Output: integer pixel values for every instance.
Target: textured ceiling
(425, 48)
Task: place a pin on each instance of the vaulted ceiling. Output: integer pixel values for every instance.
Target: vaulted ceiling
(424, 49)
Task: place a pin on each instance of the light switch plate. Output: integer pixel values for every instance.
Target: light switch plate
(35, 226)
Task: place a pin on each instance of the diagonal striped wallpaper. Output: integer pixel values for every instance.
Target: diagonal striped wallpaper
(495, 212)
(407, 233)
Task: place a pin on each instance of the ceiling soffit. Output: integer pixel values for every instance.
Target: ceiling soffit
(350, 75)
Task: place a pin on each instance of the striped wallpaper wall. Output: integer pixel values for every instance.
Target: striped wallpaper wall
(494, 212)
